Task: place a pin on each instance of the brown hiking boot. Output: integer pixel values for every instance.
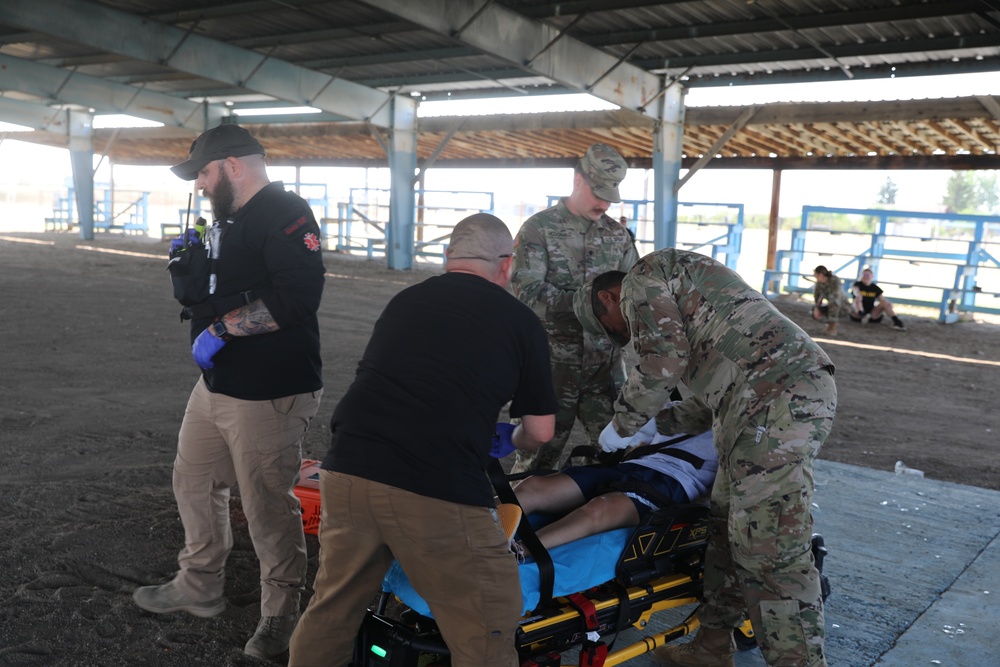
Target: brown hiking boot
(709, 648)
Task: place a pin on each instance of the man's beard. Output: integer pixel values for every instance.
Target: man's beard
(222, 197)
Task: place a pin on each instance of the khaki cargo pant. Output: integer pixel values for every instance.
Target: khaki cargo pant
(456, 556)
(225, 441)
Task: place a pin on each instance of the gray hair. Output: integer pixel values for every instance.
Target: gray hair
(480, 236)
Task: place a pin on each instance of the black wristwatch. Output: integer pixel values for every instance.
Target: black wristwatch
(219, 329)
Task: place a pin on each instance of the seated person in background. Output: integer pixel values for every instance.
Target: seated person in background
(829, 289)
(869, 303)
(595, 499)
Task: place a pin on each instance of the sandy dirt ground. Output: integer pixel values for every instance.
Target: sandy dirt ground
(96, 371)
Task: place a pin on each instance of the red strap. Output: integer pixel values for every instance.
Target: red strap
(550, 659)
(587, 609)
(593, 654)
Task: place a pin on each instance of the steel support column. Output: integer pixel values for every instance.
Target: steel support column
(81, 155)
(399, 248)
(667, 153)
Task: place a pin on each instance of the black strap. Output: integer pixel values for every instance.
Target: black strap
(624, 611)
(646, 450)
(219, 306)
(696, 461)
(608, 459)
(546, 571)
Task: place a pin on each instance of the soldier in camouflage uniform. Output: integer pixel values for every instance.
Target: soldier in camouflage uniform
(557, 252)
(829, 289)
(692, 321)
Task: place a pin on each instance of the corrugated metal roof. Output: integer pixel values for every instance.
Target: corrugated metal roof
(704, 42)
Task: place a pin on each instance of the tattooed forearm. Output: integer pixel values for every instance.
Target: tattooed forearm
(253, 318)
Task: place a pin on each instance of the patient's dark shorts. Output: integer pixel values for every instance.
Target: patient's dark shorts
(598, 480)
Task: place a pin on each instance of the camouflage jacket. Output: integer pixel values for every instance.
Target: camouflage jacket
(696, 322)
(555, 254)
(832, 290)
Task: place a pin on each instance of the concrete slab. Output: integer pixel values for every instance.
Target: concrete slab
(915, 568)
(960, 628)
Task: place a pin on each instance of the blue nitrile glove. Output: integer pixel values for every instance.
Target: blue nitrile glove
(177, 243)
(204, 348)
(502, 443)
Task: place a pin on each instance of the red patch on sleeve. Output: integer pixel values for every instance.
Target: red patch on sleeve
(312, 243)
(290, 229)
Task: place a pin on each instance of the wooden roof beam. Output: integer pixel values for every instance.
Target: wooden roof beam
(824, 143)
(874, 134)
(912, 137)
(765, 144)
(890, 136)
(949, 137)
(965, 129)
(774, 133)
(845, 136)
(696, 145)
(808, 141)
(835, 112)
(943, 141)
(740, 147)
(931, 138)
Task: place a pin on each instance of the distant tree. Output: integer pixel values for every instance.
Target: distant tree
(887, 193)
(960, 192)
(988, 191)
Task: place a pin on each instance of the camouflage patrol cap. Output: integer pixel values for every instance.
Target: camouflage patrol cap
(604, 169)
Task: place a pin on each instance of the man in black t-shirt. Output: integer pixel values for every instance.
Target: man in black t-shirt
(870, 304)
(255, 337)
(405, 474)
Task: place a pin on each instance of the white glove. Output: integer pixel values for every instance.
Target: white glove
(610, 441)
(646, 434)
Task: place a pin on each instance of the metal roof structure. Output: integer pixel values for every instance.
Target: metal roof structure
(189, 63)
(934, 134)
(366, 64)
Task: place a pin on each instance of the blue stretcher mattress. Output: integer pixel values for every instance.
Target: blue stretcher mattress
(578, 566)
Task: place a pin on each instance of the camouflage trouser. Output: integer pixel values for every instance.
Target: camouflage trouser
(588, 398)
(835, 308)
(764, 562)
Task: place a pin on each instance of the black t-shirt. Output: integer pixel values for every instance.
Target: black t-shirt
(272, 244)
(869, 295)
(444, 358)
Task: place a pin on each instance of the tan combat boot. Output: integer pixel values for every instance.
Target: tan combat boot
(709, 648)
(831, 329)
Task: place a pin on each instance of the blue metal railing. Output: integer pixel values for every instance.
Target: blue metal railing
(942, 260)
(360, 224)
(132, 215)
(712, 228)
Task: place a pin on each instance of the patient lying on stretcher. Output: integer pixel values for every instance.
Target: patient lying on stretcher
(595, 499)
(590, 544)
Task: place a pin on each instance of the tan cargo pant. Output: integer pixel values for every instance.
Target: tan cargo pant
(456, 556)
(225, 441)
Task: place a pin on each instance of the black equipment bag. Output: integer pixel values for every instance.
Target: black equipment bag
(190, 269)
